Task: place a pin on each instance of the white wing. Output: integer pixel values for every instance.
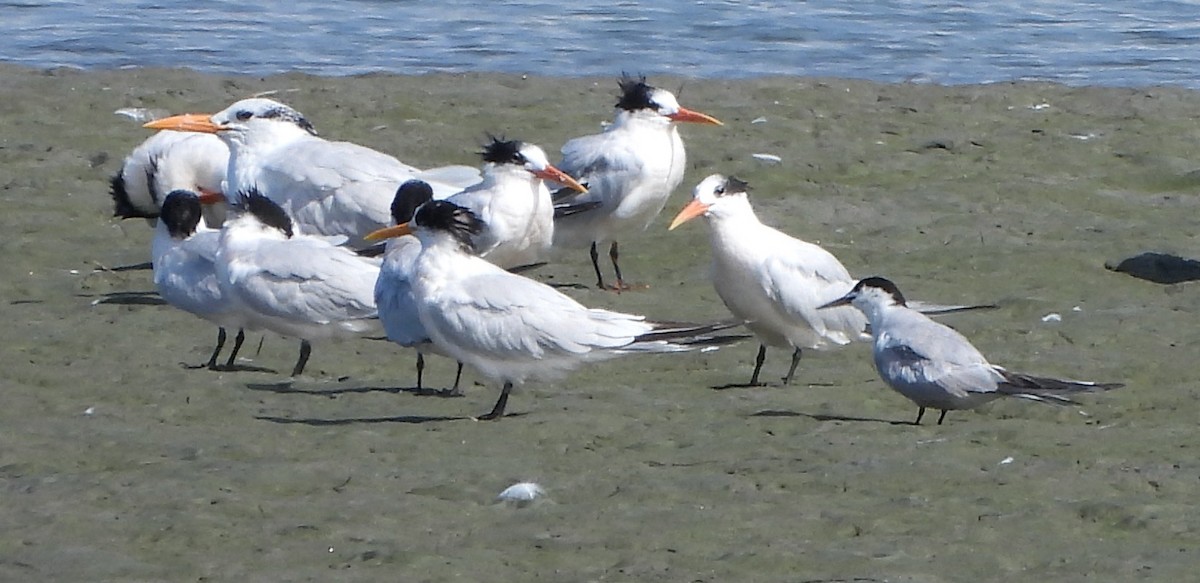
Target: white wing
(801, 277)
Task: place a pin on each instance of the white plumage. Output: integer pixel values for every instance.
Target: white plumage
(510, 328)
(291, 283)
(773, 281)
(184, 256)
(630, 170)
(165, 162)
(934, 366)
(329, 188)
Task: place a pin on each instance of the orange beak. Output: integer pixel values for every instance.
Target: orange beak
(389, 232)
(211, 196)
(188, 122)
(689, 212)
(695, 117)
(556, 175)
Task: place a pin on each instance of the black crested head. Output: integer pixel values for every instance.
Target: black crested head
(446, 216)
(884, 284)
(181, 213)
(122, 205)
(501, 151)
(266, 211)
(635, 93)
(735, 185)
(268, 109)
(409, 196)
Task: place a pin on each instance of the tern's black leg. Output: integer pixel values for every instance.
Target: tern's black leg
(212, 360)
(237, 345)
(920, 414)
(420, 371)
(596, 265)
(942, 417)
(501, 403)
(457, 377)
(792, 369)
(758, 362)
(305, 350)
(614, 254)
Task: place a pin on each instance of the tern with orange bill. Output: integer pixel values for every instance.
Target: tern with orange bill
(629, 170)
(328, 187)
(165, 162)
(513, 329)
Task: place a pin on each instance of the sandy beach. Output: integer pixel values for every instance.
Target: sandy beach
(119, 464)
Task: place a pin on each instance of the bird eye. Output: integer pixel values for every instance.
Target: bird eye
(244, 115)
(720, 190)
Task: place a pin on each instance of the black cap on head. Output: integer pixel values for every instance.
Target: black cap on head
(266, 211)
(409, 196)
(280, 112)
(181, 213)
(446, 216)
(501, 151)
(735, 185)
(635, 93)
(884, 284)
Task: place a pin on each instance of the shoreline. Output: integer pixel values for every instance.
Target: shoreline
(122, 465)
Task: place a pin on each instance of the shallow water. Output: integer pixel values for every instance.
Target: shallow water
(1080, 43)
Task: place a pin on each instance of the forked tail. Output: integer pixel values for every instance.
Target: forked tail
(1048, 389)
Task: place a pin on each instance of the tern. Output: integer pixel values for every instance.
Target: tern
(513, 329)
(393, 290)
(934, 366)
(514, 202)
(770, 279)
(329, 188)
(293, 284)
(776, 282)
(183, 253)
(165, 162)
(629, 171)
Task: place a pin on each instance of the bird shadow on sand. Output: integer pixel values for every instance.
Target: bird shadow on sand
(825, 417)
(729, 386)
(128, 298)
(231, 368)
(290, 388)
(412, 419)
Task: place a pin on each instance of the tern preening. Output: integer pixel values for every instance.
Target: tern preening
(393, 290)
(936, 367)
(329, 188)
(290, 283)
(184, 255)
(513, 329)
(166, 162)
(629, 171)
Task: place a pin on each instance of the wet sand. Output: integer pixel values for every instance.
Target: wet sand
(118, 464)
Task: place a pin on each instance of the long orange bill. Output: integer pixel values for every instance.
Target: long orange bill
(689, 212)
(188, 122)
(556, 175)
(389, 232)
(695, 117)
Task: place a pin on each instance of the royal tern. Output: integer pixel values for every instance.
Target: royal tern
(165, 162)
(296, 285)
(772, 280)
(513, 329)
(393, 289)
(629, 171)
(514, 202)
(329, 188)
(183, 254)
(934, 366)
